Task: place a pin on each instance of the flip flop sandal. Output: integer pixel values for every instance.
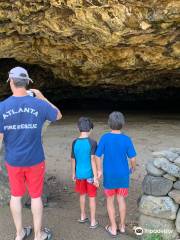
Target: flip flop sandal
(48, 233)
(83, 221)
(107, 228)
(94, 226)
(28, 232)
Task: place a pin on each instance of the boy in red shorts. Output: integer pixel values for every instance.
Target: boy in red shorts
(116, 148)
(84, 171)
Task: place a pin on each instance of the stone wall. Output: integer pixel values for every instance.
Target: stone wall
(159, 204)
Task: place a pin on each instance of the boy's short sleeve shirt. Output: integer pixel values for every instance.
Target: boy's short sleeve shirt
(93, 146)
(82, 150)
(131, 152)
(100, 148)
(116, 149)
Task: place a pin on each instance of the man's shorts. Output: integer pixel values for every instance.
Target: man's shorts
(84, 187)
(30, 178)
(119, 191)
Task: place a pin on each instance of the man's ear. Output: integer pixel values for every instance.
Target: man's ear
(11, 83)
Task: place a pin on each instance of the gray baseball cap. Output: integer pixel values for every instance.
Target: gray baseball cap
(19, 73)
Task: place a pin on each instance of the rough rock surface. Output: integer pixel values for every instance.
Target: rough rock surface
(171, 156)
(162, 207)
(177, 161)
(167, 166)
(167, 227)
(178, 221)
(172, 178)
(175, 150)
(177, 185)
(175, 194)
(156, 186)
(87, 43)
(152, 170)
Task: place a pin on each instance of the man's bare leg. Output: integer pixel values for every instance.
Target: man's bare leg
(37, 211)
(16, 210)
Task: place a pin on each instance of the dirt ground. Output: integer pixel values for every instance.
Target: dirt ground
(149, 131)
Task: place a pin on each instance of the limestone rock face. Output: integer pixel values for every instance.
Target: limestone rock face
(162, 207)
(156, 186)
(95, 43)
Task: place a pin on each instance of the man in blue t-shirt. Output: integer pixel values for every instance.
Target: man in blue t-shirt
(116, 148)
(21, 121)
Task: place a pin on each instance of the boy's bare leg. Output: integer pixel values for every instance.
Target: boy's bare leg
(122, 212)
(37, 211)
(16, 210)
(92, 206)
(82, 206)
(111, 213)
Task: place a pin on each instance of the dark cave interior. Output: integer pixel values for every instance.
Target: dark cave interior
(102, 97)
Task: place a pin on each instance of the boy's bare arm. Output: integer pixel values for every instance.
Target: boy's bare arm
(133, 163)
(94, 168)
(99, 169)
(73, 169)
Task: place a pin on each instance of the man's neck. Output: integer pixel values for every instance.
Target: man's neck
(84, 135)
(19, 92)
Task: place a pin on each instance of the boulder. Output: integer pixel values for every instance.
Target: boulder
(152, 170)
(167, 166)
(172, 178)
(162, 207)
(175, 194)
(171, 156)
(156, 186)
(177, 185)
(155, 225)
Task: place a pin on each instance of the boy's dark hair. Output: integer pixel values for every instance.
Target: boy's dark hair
(116, 120)
(85, 124)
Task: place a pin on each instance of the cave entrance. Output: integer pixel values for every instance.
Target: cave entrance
(102, 97)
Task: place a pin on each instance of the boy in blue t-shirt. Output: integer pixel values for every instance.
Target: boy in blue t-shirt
(84, 171)
(116, 148)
